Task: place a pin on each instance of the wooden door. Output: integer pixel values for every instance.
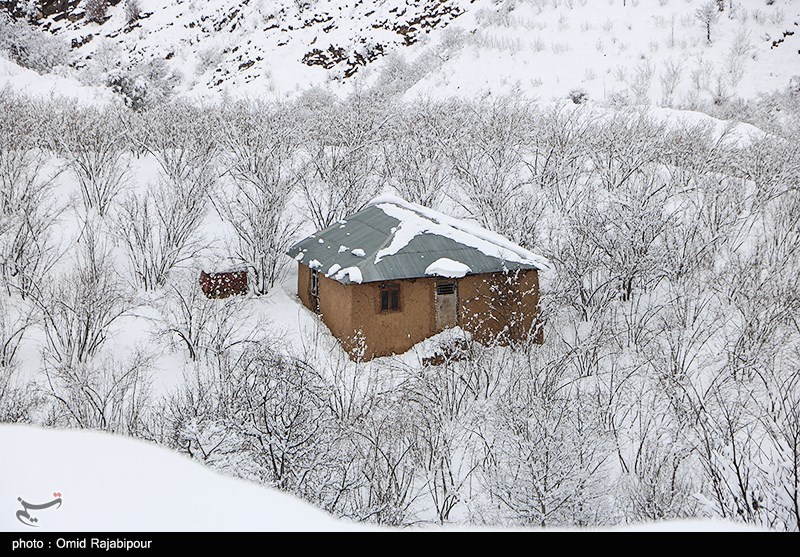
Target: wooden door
(446, 305)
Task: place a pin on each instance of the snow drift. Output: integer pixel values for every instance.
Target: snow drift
(116, 483)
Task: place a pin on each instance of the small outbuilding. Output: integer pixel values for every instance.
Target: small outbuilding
(396, 273)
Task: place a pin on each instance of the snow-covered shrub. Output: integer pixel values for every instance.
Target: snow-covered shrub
(578, 96)
(642, 79)
(133, 9)
(144, 86)
(206, 328)
(132, 88)
(794, 84)
(269, 414)
(102, 393)
(96, 10)
(670, 78)
(31, 48)
(490, 167)
(207, 58)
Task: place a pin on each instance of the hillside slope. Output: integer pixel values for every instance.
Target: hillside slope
(114, 483)
(619, 51)
(110, 482)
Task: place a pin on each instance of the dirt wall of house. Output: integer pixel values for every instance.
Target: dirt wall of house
(500, 305)
(489, 305)
(394, 332)
(334, 302)
(304, 285)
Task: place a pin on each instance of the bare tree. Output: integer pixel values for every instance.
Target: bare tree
(160, 229)
(101, 393)
(261, 165)
(18, 398)
(27, 209)
(708, 15)
(415, 155)
(544, 463)
(490, 168)
(93, 142)
(203, 326)
(341, 150)
(79, 306)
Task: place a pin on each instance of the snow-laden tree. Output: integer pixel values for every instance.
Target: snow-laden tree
(79, 306)
(415, 153)
(488, 158)
(205, 327)
(546, 449)
(103, 392)
(261, 171)
(708, 15)
(30, 47)
(160, 229)
(341, 148)
(274, 409)
(18, 399)
(93, 142)
(28, 210)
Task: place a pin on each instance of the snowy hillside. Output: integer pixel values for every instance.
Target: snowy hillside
(617, 51)
(31, 83)
(112, 483)
(256, 48)
(639, 51)
(108, 482)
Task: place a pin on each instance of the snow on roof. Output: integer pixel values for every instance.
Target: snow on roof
(444, 267)
(393, 239)
(416, 219)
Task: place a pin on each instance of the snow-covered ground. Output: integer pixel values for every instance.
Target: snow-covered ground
(29, 82)
(114, 483)
(648, 51)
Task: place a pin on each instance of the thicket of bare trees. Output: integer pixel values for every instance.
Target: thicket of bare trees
(666, 387)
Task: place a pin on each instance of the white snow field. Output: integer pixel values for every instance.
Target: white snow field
(114, 483)
(31, 83)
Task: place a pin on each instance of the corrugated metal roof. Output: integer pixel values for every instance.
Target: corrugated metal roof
(394, 233)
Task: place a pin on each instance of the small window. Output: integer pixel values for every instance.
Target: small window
(390, 297)
(314, 283)
(445, 288)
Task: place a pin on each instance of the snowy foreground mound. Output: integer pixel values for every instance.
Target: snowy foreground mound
(113, 483)
(110, 482)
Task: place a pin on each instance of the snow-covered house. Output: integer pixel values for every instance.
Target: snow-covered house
(396, 273)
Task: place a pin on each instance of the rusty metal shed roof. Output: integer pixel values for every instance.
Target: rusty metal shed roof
(391, 239)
